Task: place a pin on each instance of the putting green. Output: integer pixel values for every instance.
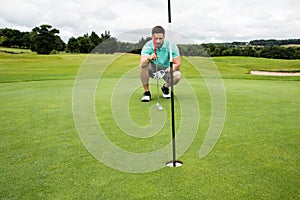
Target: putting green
(43, 157)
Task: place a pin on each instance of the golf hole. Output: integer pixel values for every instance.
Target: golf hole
(175, 163)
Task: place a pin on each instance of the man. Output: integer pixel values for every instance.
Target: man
(149, 60)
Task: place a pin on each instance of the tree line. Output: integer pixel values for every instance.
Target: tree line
(273, 42)
(42, 40)
(277, 52)
(45, 40)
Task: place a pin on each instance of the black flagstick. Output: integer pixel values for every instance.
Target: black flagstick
(174, 161)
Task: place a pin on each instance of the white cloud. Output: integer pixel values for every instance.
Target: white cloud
(204, 21)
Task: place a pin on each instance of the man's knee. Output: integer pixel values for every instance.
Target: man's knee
(177, 76)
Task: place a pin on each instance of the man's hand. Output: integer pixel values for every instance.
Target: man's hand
(152, 56)
(145, 59)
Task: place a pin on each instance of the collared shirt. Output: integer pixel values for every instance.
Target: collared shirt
(163, 53)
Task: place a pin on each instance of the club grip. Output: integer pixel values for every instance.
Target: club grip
(154, 44)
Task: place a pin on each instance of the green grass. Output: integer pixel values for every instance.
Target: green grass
(229, 66)
(15, 50)
(30, 67)
(42, 156)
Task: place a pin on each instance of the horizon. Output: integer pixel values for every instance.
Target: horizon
(142, 34)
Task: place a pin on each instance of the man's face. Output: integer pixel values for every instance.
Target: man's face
(159, 37)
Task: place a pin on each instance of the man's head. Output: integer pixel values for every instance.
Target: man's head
(158, 33)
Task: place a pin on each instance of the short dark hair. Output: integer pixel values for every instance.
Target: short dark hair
(158, 29)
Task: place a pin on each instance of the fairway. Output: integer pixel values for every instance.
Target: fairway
(43, 156)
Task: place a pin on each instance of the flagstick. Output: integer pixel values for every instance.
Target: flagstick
(174, 161)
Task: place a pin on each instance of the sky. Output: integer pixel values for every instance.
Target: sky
(199, 20)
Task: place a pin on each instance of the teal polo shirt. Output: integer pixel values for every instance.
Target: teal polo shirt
(163, 53)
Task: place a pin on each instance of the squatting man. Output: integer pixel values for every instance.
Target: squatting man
(149, 60)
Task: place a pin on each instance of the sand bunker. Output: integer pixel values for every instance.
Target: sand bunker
(265, 73)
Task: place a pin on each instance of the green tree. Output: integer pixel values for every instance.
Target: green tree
(95, 40)
(73, 45)
(43, 39)
(2, 40)
(128, 47)
(142, 42)
(59, 44)
(25, 40)
(249, 51)
(85, 44)
(272, 52)
(236, 51)
(217, 51)
(297, 53)
(10, 37)
(109, 46)
(106, 35)
(227, 52)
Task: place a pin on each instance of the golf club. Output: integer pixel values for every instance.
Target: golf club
(159, 107)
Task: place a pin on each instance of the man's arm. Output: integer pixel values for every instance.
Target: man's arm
(145, 59)
(176, 63)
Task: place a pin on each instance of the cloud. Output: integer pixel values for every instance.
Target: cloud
(19, 13)
(241, 20)
(203, 21)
